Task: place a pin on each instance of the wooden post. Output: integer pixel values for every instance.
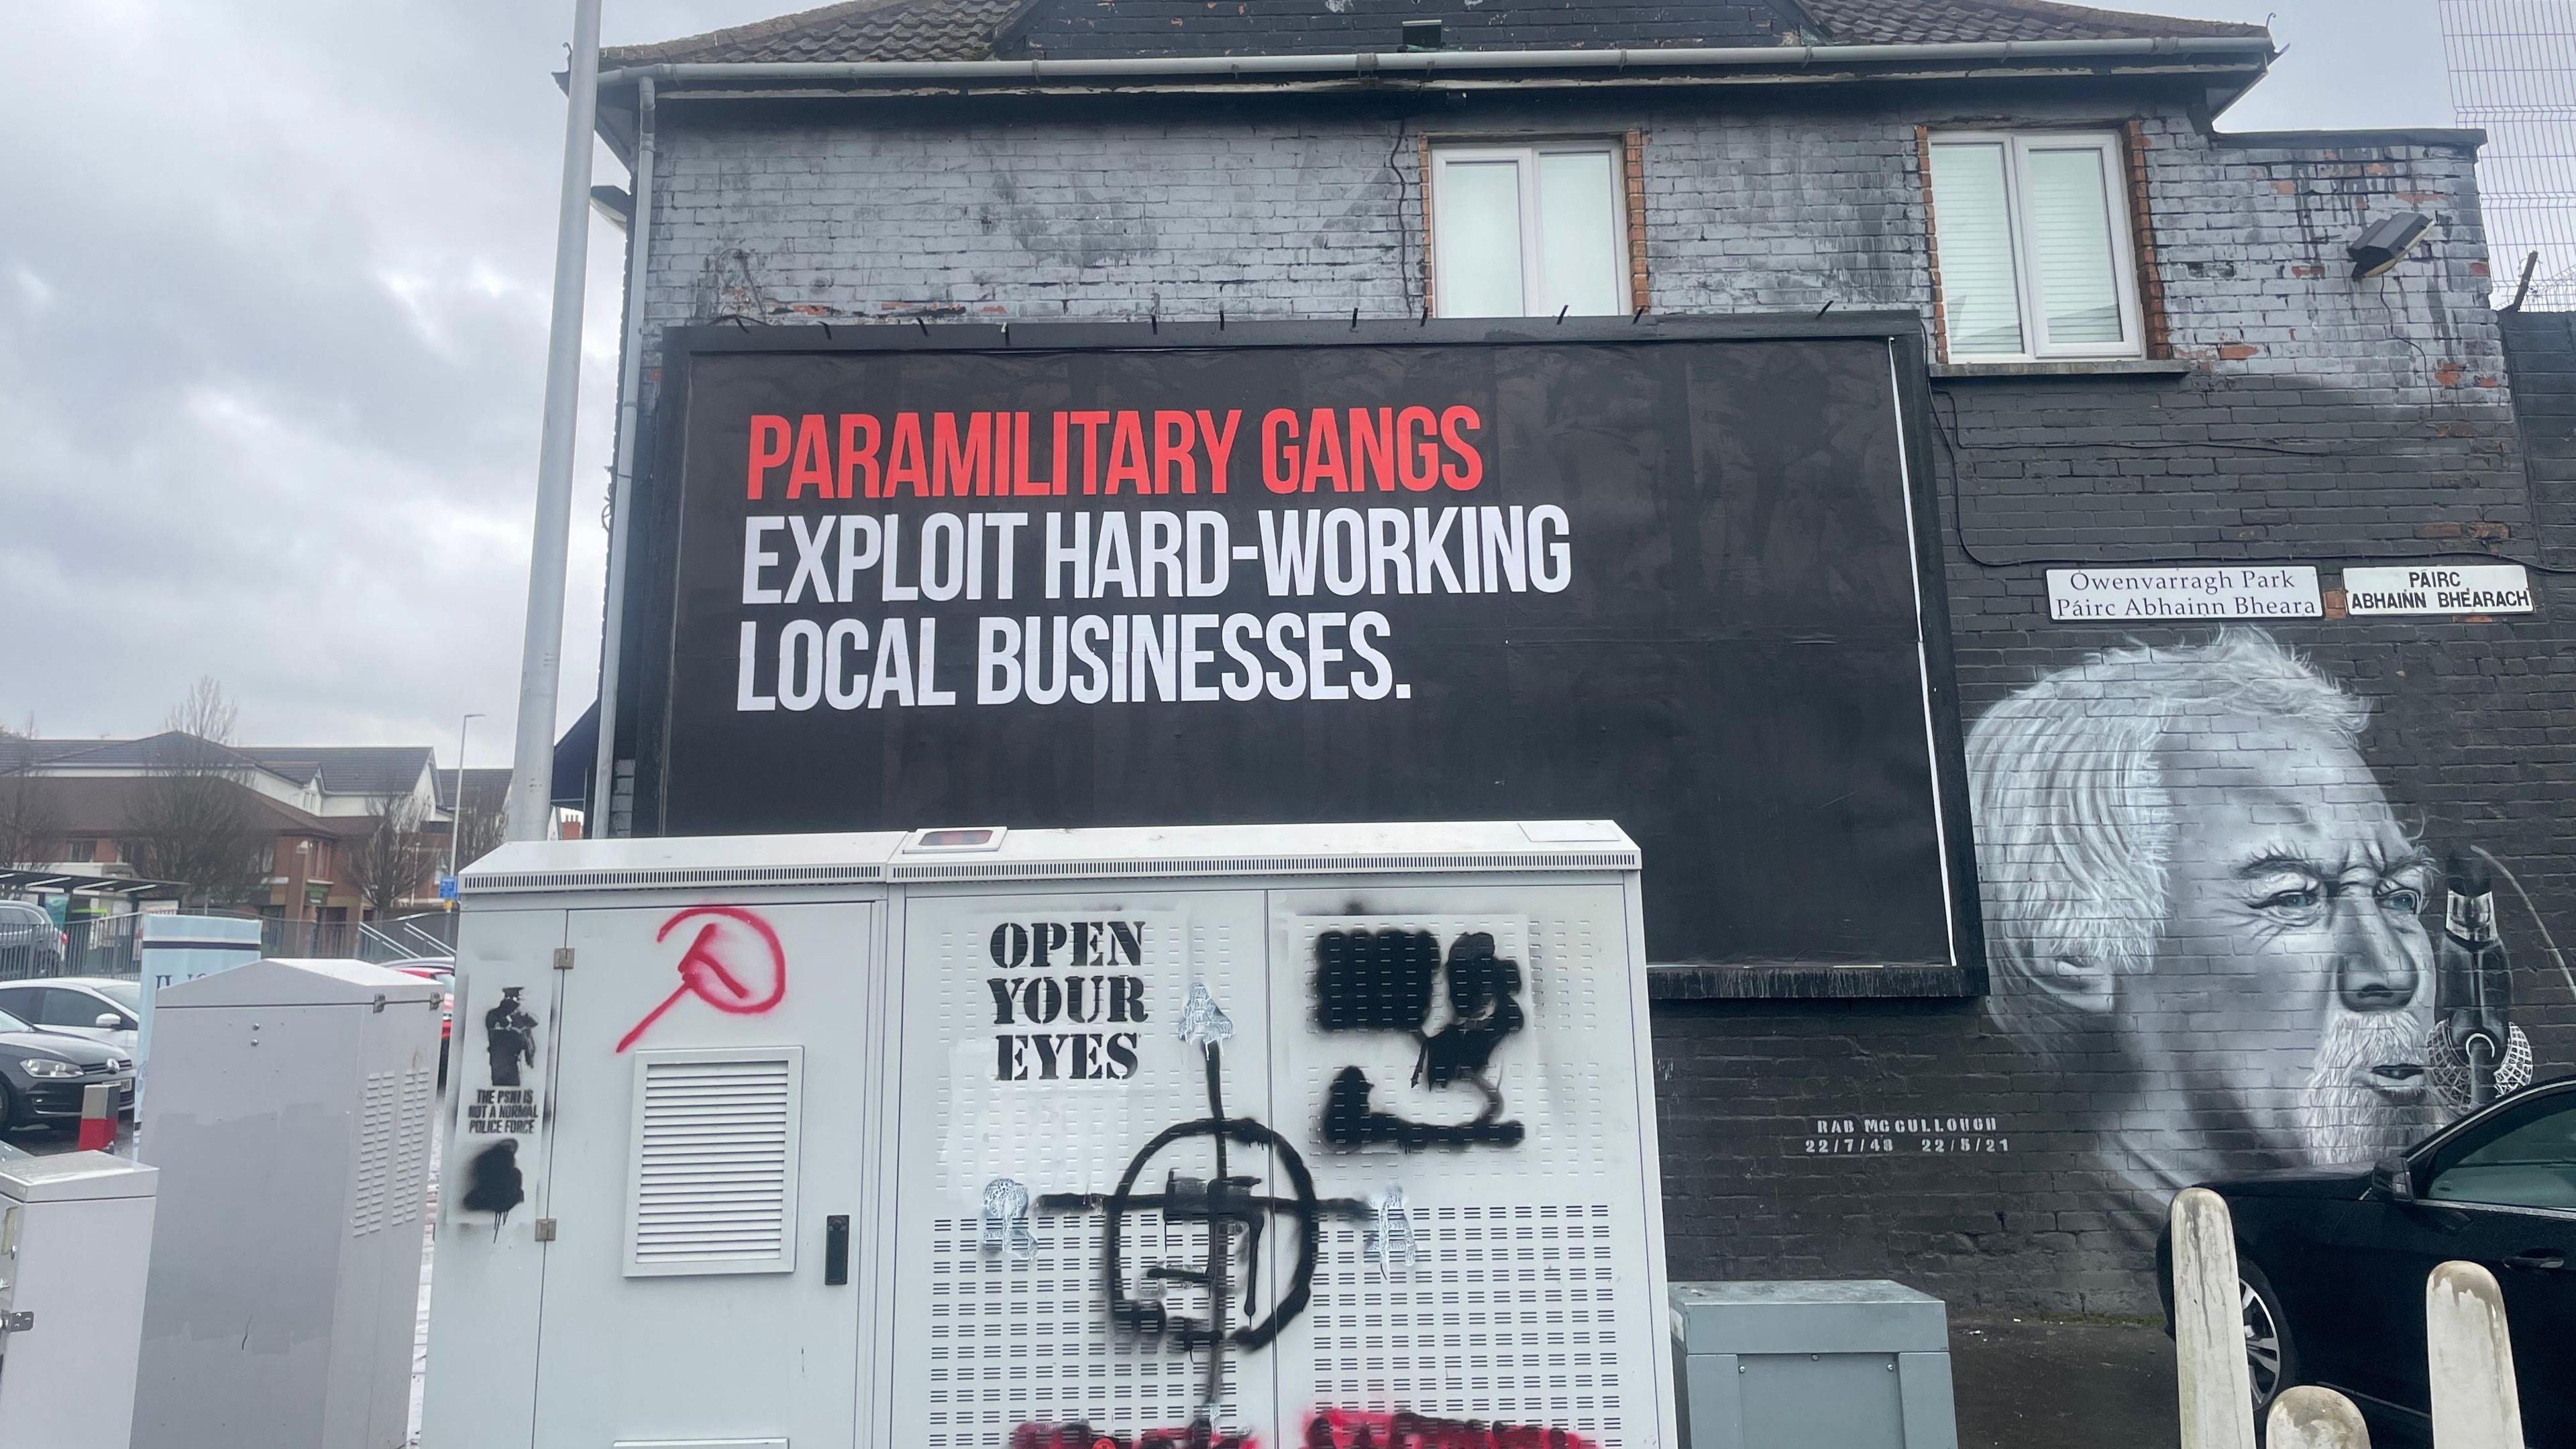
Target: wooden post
(2308, 1417)
(2470, 1354)
(2209, 1326)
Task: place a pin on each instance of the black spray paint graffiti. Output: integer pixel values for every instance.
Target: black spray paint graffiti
(1236, 1214)
(1382, 981)
(493, 1183)
(510, 1035)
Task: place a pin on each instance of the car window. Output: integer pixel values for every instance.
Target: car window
(81, 1008)
(124, 993)
(21, 999)
(11, 1022)
(2530, 1163)
(63, 1007)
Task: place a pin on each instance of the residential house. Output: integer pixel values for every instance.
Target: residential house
(2152, 348)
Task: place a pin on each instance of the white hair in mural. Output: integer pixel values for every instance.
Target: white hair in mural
(2074, 822)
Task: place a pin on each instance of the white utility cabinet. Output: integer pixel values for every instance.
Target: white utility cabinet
(293, 1104)
(75, 1233)
(182, 948)
(1005, 1139)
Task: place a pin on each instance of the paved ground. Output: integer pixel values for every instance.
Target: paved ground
(2034, 1383)
(45, 1140)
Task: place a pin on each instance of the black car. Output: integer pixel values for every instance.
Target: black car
(2334, 1263)
(42, 1074)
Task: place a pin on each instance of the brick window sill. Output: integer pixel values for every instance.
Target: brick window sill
(1806, 981)
(2102, 367)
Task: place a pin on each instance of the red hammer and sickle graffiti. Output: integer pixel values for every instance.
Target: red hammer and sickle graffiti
(704, 974)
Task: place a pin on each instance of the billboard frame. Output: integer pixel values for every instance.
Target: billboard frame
(641, 717)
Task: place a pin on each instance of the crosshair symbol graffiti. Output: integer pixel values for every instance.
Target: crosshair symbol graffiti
(1225, 1202)
(736, 987)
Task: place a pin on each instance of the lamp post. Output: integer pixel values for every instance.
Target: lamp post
(531, 802)
(456, 808)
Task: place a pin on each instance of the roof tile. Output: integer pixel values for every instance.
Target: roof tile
(865, 30)
(1933, 22)
(859, 30)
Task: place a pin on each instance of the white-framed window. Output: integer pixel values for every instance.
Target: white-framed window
(1529, 231)
(2036, 253)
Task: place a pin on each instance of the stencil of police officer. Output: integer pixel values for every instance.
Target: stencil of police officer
(510, 1034)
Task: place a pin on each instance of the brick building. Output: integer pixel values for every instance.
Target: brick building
(2149, 347)
(304, 812)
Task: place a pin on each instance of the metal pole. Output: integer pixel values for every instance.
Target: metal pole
(541, 660)
(456, 808)
(630, 416)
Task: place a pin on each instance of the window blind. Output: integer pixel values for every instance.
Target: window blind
(1972, 224)
(1477, 230)
(1578, 246)
(2076, 272)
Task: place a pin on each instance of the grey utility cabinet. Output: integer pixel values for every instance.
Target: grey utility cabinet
(1812, 1366)
(291, 1121)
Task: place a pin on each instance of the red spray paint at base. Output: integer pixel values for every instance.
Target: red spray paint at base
(1083, 1436)
(1344, 1429)
(1328, 1429)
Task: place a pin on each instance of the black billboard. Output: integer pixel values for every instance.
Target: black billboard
(1684, 576)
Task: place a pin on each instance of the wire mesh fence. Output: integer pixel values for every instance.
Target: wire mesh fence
(2513, 74)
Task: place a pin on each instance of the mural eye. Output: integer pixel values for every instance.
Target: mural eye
(2409, 899)
(2296, 898)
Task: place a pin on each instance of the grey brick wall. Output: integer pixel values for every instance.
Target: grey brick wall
(2323, 421)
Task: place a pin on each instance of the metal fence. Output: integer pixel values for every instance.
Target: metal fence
(397, 939)
(110, 945)
(2513, 74)
(102, 946)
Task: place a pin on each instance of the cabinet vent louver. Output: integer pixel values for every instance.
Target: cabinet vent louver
(375, 1153)
(712, 1181)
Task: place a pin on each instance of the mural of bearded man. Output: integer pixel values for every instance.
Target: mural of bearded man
(2202, 914)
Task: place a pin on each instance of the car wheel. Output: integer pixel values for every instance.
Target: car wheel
(8, 1109)
(2271, 1361)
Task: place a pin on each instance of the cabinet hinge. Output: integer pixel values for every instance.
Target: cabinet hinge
(563, 958)
(545, 1230)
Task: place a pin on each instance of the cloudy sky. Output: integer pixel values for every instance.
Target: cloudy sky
(273, 299)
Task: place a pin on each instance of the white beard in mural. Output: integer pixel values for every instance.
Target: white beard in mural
(2346, 1116)
(2202, 911)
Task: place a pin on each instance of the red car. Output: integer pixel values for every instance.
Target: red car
(441, 969)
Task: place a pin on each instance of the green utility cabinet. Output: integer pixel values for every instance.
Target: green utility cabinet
(1862, 1365)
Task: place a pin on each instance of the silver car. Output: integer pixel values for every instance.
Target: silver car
(106, 1009)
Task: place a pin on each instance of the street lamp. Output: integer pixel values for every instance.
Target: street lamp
(531, 799)
(456, 807)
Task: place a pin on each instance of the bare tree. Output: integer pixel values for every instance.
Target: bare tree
(29, 824)
(391, 862)
(478, 823)
(193, 821)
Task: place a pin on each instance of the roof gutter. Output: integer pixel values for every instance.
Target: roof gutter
(1430, 64)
